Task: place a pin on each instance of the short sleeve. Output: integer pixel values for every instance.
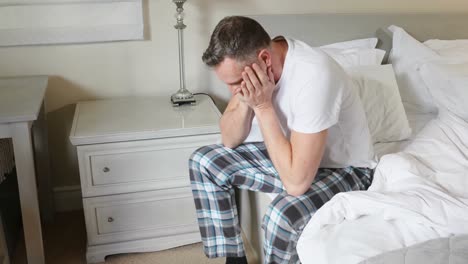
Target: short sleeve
(317, 104)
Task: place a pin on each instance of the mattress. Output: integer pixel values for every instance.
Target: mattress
(451, 250)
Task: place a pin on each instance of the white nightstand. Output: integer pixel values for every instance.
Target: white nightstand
(133, 157)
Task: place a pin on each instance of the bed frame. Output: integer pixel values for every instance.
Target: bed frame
(320, 29)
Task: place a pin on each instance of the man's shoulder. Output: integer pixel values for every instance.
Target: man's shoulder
(302, 48)
(309, 58)
(311, 67)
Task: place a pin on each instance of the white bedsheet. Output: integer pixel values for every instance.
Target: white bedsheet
(417, 121)
(417, 195)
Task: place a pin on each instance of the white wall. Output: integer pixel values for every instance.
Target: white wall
(139, 68)
(102, 70)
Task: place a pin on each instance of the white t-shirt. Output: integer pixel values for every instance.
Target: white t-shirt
(313, 94)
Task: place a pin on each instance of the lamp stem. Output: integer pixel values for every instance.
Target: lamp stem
(181, 59)
(182, 96)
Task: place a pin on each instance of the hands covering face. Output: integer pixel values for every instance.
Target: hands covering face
(257, 87)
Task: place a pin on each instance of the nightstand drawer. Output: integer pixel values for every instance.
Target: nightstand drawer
(141, 164)
(143, 215)
(134, 166)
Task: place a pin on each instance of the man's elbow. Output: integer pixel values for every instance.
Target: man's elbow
(230, 143)
(297, 189)
(300, 184)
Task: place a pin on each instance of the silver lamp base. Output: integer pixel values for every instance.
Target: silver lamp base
(182, 97)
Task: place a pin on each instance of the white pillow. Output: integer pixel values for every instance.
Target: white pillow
(356, 56)
(378, 90)
(457, 49)
(448, 84)
(406, 57)
(368, 43)
(408, 54)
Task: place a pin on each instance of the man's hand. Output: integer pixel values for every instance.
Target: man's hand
(257, 86)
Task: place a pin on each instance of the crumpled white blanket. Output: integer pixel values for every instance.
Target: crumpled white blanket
(417, 195)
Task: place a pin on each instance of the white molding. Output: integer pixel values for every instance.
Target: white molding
(39, 22)
(98, 253)
(48, 2)
(68, 198)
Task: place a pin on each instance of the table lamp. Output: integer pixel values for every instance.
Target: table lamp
(182, 96)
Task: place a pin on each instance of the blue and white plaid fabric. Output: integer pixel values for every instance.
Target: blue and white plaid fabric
(216, 170)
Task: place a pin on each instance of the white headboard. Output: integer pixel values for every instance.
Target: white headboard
(320, 29)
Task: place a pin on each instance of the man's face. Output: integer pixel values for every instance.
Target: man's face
(230, 71)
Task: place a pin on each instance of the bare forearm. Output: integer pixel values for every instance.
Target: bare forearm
(235, 124)
(279, 147)
(296, 159)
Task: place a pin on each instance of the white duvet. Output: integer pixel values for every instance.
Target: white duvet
(417, 195)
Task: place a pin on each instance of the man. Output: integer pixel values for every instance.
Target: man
(293, 126)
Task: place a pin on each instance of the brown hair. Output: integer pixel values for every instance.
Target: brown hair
(236, 37)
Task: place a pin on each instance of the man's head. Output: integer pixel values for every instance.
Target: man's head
(236, 42)
(238, 38)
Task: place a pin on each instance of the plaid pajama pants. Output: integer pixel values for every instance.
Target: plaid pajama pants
(216, 170)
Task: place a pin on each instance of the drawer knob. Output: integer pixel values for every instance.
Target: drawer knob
(110, 219)
(106, 169)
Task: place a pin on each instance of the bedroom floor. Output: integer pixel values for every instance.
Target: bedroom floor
(65, 243)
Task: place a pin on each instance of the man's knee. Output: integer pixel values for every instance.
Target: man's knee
(287, 212)
(204, 154)
(202, 158)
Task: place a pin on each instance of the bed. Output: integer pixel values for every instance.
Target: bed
(343, 232)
